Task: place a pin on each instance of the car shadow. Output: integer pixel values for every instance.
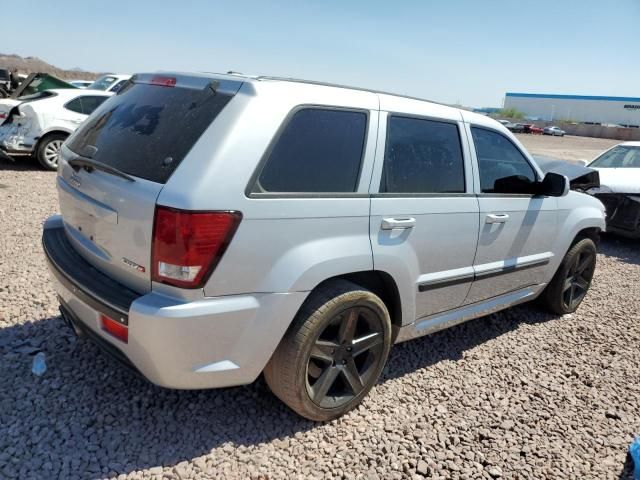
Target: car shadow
(86, 402)
(624, 249)
(627, 469)
(20, 164)
(450, 344)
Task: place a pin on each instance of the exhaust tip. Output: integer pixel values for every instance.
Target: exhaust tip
(67, 317)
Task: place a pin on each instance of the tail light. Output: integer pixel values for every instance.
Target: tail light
(188, 245)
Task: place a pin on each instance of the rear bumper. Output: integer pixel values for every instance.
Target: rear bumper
(206, 343)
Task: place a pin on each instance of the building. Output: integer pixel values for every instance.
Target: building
(576, 108)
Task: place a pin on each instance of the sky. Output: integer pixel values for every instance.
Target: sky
(467, 52)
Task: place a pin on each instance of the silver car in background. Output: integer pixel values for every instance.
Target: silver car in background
(216, 227)
(555, 131)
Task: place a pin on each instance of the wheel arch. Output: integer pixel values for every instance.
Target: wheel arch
(380, 283)
(590, 232)
(47, 134)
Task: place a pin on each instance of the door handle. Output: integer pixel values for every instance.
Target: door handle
(497, 218)
(391, 223)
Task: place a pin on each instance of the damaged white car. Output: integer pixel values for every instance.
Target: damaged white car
(41, 123)
(619, 190)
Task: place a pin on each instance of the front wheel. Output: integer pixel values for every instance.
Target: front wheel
(572, 281)
(49, 150)
(333, 353)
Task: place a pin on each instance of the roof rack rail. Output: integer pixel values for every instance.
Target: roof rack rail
(350, 87)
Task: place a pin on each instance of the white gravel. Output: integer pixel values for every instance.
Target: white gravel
(520, 394)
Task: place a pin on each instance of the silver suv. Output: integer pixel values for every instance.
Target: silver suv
(216, 227)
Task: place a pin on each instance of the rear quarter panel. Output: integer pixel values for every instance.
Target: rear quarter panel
(284, 243)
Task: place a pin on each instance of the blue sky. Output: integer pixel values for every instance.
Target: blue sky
(468, 51)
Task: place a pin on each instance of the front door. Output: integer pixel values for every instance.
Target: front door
(517, 231)
(424, 216)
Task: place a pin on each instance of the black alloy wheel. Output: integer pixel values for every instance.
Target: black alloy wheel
(344, 357)
(333, 352)
(571, 282)
(578, 279)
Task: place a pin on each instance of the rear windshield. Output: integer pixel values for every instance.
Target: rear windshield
(147, 130)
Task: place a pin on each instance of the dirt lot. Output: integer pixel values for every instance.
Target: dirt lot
(519, 394)
(567, 147)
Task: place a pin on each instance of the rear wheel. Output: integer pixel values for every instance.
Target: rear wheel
(49, 150)
(333, 353)
(572, 281)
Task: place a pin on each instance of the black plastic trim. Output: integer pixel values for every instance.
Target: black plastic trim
(435, 284)
(423, 195)
(79, 326)
(510, 269)
(89, 284)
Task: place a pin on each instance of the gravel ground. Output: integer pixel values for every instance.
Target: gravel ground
(568, 147)
(519, 394)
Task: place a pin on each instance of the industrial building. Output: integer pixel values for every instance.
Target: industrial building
(576, 108)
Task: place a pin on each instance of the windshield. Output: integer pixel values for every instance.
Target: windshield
(103, 82)
(4, 74)
(618, 157)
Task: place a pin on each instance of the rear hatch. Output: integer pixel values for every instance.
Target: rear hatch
(114, 166)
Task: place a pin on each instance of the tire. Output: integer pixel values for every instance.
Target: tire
(572, 281)
(49, 150)
(315, 370)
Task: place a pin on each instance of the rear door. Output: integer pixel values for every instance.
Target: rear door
(145, 131)
(517, 231)
(424, 215)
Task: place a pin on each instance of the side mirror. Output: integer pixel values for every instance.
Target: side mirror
(554, 185)
(582, 162)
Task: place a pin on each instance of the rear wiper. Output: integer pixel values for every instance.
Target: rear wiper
(88, 164)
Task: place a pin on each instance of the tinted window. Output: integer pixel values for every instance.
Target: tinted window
(422, 156)
(89, 104)
(74, 105)
(500, 161)
(318, 151)
(147, 130)
(85, 105)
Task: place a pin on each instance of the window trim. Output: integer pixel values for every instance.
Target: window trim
(480, 193)
(253, 180)
(456, 123)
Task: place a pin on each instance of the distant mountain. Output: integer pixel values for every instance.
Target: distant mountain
(34, 64)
